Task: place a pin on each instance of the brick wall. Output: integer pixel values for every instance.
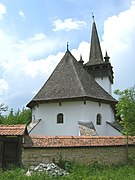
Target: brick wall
(86, 155)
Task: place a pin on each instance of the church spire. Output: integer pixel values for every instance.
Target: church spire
(98, 67)
(95, 56)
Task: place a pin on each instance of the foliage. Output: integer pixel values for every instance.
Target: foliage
(20, 117)
(78, 172)
(126, 110)
(3, 108)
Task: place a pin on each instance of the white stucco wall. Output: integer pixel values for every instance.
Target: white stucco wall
(105, 83)
(112, 131)
(73, 112)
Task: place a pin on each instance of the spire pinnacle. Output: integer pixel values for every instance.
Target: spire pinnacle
(106, 57)
(81, 60)
(93, 17)
(80, 57)
(67, 47)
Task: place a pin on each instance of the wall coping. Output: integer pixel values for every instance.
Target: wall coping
(36, 141)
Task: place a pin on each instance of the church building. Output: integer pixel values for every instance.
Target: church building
(76, 99)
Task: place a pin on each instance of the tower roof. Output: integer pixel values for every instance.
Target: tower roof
(70, 81)
(97, 66)
(95, 56)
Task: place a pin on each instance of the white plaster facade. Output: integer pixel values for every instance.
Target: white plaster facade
(73, 112)
(105, 83)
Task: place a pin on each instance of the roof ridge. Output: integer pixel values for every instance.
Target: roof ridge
(78, 79)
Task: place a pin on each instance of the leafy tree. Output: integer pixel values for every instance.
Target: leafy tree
(20, 117)
(126, 110)
(3, 108)
(23, 116)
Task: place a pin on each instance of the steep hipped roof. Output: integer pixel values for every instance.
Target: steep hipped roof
(70, 80)
(95, 56)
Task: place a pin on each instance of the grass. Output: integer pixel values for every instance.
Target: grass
(78, 172)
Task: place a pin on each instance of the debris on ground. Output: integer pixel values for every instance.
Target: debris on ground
(50, 169)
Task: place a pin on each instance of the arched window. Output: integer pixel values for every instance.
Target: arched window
(60, 118)
(98, 119)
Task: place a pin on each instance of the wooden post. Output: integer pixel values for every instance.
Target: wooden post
(1, 153)
(127, 138)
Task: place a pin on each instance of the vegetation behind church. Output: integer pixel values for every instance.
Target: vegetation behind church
(20, 117)
(126, 110)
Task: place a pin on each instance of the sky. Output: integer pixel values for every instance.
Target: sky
(34, 36)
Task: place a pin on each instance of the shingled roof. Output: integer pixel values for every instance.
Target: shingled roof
(13, 130)
(96, 56)
(70, 80)
(75, 141)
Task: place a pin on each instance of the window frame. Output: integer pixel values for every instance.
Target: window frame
(98, 119)
(60, 118)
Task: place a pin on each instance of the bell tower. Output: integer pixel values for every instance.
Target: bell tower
(97, 66)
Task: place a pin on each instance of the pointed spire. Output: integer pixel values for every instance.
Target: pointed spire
(95, 56)
(81, 60)
(106, 57)
(67, 47)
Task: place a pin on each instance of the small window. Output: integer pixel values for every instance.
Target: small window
(60, 118)
(98, 120)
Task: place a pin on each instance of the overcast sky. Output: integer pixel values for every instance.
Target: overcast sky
(34, 33)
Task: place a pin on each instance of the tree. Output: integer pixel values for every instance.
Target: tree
(126, 110)
(2, 109)
(20, 117)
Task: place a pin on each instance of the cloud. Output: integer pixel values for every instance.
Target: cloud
(21, 14)
(119, 40)
(21, 67)
(83, 49)
(38, 37)
(2, 10)
(24, 77)
(41, 66)
(37, 46)
(68, 24)
(3, 86)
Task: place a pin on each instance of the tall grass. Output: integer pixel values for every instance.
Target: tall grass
(77, 172)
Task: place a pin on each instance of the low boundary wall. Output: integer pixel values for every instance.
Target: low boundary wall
(81, 149)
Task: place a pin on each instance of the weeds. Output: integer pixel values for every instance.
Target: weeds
(78, 172)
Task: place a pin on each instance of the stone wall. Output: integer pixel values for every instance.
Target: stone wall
(105, 155)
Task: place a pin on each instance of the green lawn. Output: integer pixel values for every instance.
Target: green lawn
(78, 172)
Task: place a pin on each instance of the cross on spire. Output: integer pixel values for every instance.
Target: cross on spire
(93, 16)
(67, 47)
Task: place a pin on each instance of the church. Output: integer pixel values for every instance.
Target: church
(76, 100)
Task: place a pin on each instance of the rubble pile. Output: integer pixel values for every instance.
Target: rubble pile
(50, 169)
